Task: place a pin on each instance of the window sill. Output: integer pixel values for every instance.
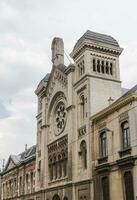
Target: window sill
(125, 152)
(102, 160)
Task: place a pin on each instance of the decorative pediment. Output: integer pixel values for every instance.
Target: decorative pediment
(10, 164)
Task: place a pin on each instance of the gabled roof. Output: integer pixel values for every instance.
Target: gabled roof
(23, 157)
(97, 38)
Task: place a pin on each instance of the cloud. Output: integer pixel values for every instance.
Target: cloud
(128, 64)
(26, 30)
(4, 113)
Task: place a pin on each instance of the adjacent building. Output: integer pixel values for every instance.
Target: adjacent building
(86, 130)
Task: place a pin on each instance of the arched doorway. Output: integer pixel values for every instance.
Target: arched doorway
(56, 197)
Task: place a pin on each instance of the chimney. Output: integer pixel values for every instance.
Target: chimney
(57, 51)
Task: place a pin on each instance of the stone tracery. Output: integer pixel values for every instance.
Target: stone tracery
(57, 156)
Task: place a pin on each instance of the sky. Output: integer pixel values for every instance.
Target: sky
(27, 28)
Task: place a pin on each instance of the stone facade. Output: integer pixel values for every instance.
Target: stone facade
(18, 176)
(80, 152)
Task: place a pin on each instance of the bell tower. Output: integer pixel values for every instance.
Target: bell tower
(97, 58)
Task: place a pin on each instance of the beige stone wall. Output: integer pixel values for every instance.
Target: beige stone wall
(116, 187)
(13, 187)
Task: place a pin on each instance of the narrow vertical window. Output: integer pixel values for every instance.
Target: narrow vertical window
(128, 180)
(83, 66)
(31, 181)
(125, 134)
(82, 102)
(107, 68)
(83, 148)
(98, 66)
(111, 68)
(103, 144)
(94, 65)
(27, 182)
(20, 185)
(102, 67)
(105, 188)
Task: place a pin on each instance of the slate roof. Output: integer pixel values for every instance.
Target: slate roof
(97, 37)
(132, 90)
(22, 157)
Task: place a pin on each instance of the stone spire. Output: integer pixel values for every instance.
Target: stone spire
(57, 51)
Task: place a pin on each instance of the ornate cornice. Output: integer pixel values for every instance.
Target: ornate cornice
(102, 48)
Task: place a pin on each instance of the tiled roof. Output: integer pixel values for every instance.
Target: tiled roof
(97, 37)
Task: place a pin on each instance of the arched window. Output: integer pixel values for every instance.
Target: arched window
(83, 67)
(105, 188)
(59, 167)
(65, 198)
(31, 181)
(51, 171)
(125, 134)
(103, 144)
(128, 181)
(94, 65)
(56, 197)
(111, 68)
(102, 66)
(83, 148)
(27, 182)
(98, 66)
(107, 68)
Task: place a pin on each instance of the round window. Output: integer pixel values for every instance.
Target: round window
(60, 117)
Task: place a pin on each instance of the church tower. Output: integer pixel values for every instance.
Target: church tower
(67, 98)
(97, 58)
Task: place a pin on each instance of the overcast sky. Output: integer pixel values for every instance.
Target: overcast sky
(27, 28)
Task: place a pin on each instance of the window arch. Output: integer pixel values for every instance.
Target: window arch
(56, 197)
(103, 144)
(128, 181)
(83, 148)
(125, 134)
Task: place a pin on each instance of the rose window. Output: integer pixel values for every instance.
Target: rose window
(60, 117)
